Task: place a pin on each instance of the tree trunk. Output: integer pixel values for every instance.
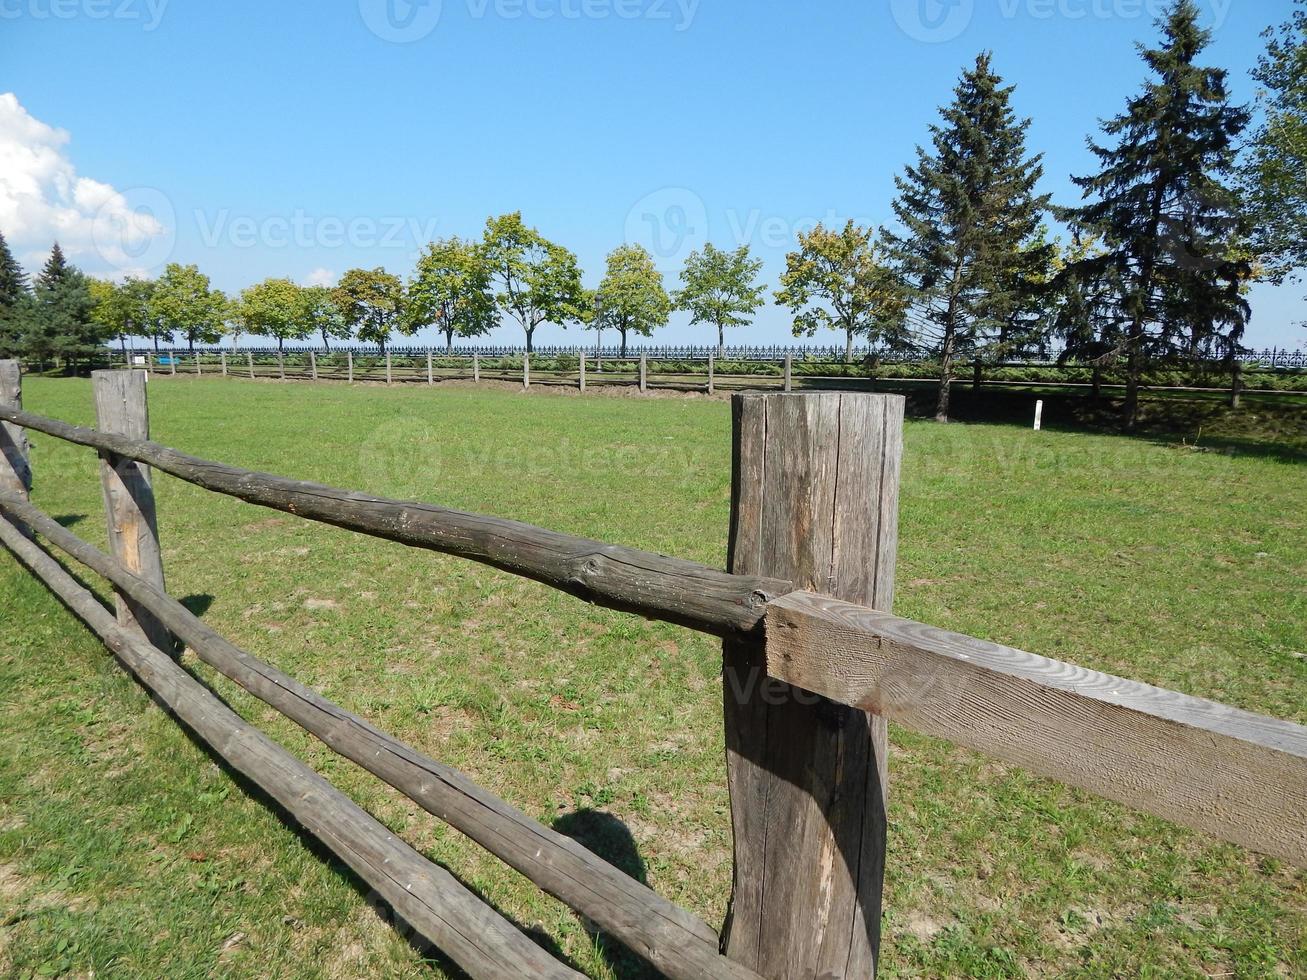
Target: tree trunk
(449, 341)
(1098, 384)
(155, 338)
(848, 346)
(281, 341)
(721, 340)
(623, 333)
(530, 331)
(945, 376)
(190, 342)
(326, 345)
(1132, 391)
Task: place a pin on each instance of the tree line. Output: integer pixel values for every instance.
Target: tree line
(1188, 206)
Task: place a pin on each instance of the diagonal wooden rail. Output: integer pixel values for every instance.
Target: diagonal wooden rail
(681, 945)
(442, 910)
(673, 589)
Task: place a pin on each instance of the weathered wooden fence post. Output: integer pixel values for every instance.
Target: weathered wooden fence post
(313, 365)
(431, 371)
(121, 407)
(172, 362)
(198, 370)
(582, 376)
(15, 465)
(222, 355)
(476, 367)
(815, 501)
(644, 372)
(249, 361)
(389, 374)
(789, 372)
(526, 371)
(349, 365)
(711, 365)
(1236, 384)
(281, 365)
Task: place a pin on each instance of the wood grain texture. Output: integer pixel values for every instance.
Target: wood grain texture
(670, 589)
(814, 501)
(15, 464)
(427, 896)
(121, 407)
(1230, 773)
(679, 944)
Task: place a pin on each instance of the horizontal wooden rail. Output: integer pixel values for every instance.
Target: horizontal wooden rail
(430, 899)
(678, 943)
(1237, 775)
(671, 589)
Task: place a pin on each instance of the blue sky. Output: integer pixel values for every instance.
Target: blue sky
(298, 138)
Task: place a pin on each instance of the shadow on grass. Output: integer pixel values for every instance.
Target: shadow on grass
(1265, 426)
(197, 605)
(69, 520)
(605, 835)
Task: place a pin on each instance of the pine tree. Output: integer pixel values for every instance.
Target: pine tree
(1167, 219)
(15, 302)
(970, 245)
(62, 323)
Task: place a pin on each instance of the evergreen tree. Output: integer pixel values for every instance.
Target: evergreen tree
(62, 322)
(970, 246)
(15, 302)
(1168, 222)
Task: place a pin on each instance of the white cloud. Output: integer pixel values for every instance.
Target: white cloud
(43, 200)
(320, 277)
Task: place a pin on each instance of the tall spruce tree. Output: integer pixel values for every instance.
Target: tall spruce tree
(62, 322)
(15, 302)
(970, 246)
(1167, 219)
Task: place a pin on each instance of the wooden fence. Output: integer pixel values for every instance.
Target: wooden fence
(749, 369)
(815, 664)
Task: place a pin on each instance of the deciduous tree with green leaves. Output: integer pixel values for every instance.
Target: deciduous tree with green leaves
(123, 309)
(274, 308)
(185, 302)
(323, 317)
(969, 222)
(720, 287)
(372, 303)
(839, 280)
(451, 290)
(1162, 206)
(537, 281)
(1275, 168)
(631, 298)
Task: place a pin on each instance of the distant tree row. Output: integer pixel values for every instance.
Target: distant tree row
(1172, 229)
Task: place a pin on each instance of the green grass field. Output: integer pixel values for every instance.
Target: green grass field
(126, 851)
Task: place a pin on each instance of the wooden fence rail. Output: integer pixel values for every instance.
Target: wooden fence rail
(813, 536)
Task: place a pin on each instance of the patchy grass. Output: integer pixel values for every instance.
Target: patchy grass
(125, 851)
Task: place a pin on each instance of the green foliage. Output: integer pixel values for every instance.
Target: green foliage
(970, 245)
(184, 302)
(1274, 172)
(1168, 222)
(123, 309)
(631, 299)
(451, 290)
(838, 280)
(538, 281)
(372, 303)
(61, 322)
(15, 302)
(720, 288)
(274, 308)
(322, 316)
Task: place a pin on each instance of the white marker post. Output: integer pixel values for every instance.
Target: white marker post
(1039, 414)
